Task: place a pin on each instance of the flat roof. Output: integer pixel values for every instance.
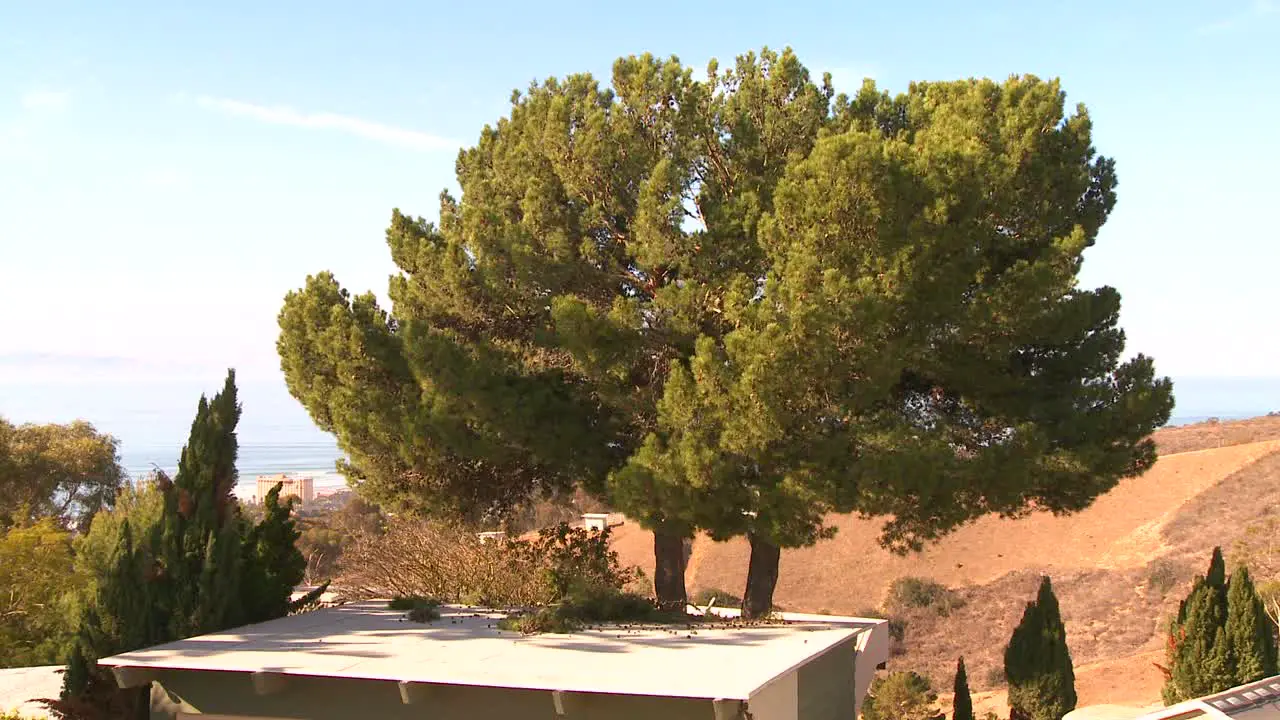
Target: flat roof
(366, 640)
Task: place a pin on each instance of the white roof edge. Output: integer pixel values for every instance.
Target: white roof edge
(863, 627)
(851, 629)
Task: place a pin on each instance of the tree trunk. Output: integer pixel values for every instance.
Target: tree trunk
(762, 577)
(668, 569)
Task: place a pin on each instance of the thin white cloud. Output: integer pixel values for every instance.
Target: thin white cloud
(282, 115)
(45, 100)
(1256, 10)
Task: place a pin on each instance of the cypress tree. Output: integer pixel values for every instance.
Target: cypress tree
(962, 704)
(1200, 661)
(273, 566)
(194, 568)
(1217, 576)
(1252, 647)
(1037, 662)
(200, 533)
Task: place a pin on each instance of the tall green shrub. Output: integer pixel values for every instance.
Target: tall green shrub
(1249, 632)
(961, 704)
(1220, 638)
(1037, 662)
(182, 561)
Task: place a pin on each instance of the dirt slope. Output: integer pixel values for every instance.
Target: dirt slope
(851, 572)
(1212, 481)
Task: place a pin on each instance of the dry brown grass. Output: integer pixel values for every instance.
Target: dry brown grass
(1102, 560)
(1216, 434)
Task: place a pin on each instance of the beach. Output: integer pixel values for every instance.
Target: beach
(311, 459)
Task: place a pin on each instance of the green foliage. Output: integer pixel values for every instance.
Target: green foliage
(36, 575)
(901, 695)
(590, 605)
(914, 592)
(576, 558)
(418, 609)
(272, 564)
(1221, 637)
(176, 559)
(67, 472)
(962, 704)
(1250, 635)
(740, 304)
(1037, 662)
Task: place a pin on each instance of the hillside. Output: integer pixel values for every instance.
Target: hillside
(1119, 567)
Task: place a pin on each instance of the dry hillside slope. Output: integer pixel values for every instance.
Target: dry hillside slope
(1161, 525)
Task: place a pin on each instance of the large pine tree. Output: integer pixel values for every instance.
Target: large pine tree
(742, 304)
(182, 564)
(1037, 662)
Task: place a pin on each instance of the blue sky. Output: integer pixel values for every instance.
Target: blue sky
(168, 171)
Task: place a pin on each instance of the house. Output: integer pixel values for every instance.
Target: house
(363, 660)
(302, 488)
(597, 522)
(1258, 700)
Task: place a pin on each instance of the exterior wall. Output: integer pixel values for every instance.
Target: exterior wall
(779, 700)
(826, 688)
(301, 487)
(226, 693)
(873, 651)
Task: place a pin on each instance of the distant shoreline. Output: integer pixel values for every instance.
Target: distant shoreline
(318, 459)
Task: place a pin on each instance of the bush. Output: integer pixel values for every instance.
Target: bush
(449, 563)
(901, 696)
(995, 677)
(420, 609)
(591, 605)
(1162, 576)
(724, 599)
(913, 592)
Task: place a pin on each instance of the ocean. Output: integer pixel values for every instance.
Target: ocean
(311, 459)
(152, 417)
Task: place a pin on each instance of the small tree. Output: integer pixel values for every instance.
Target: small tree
(902, 695)
(1221, 636)
(67, 472)
(175, 560)
(35, 574)
(1249, 634)
(272, 564)
(961, 704)
(1037, 662)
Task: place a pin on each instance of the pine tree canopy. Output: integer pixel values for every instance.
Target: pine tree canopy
(740, 303)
